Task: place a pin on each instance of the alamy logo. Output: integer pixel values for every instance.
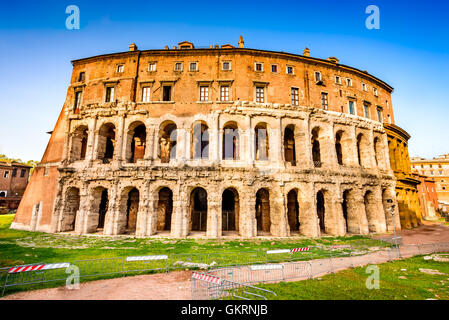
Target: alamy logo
(372, 282)
(373, 20)
(73, 20)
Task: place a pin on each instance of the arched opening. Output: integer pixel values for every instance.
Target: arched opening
(289, 145)
(102, 208)
(344, 206)
(261, 143)
(136, 140)
(231, 142)
(338, 148)
(164, 209)
(363, 151)
(132, 208)
(167, 142)
(200, 139)
(378, 153)
(230, 210)
(370, 210)
(106, 142)
(263, 211)
(321, 210)
(316, 153)
(293, 210)
(71, 207)
(79, 143)
(198, 210)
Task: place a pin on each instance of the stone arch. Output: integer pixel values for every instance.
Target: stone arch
(370, 210)
(71, 207)
(99, 208)
(350, 211)
(231, 141)
(343, 147)
(363, 153)
(106, 142)
(316, 148)
(263, 215)
(167, 141)
(128, 210)
(164, 209)
(289, 144)
(136, 141)
(261, 145)
(79, 143)
(200, 140)
(379, 152)
(230, 210)
(293, 210)
(198, 209)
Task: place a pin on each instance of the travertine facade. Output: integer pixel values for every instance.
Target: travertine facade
(216, 141)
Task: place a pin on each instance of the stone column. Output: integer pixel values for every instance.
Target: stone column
(213, 228)
(143, 213)
(335, 221)
(180, 215)
(149, 148)
(352, 155)
(151, 214)
(275, 143)
(308, 217)
(113, 220)
(83, 210)
(327, 146)
(247, 148)
(360, 204)
(372, 157)
(278, 214)
(91, 139)
(380, 213)
(247, 219)
(214, 140)
(119, 152)
(303, 144)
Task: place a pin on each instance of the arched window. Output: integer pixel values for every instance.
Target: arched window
(289, 145)
(79, 144)
(363, 153)
(231, 142)
(263, 211)
(136, 140)
(338, 148)
(198, 210)
(106, 142)
(261, 143)
(167, 142)
(316, 153)
(200, 141)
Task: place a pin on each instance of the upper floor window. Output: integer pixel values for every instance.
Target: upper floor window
(274, 68)
(366, 110)
(349, 82)
(120, 68)
(224, 93)
(295, 96)
(146, 94)
(204, 93)
(364, 88)
(260, 94)
(14, 172)
(82, 76)
(166, 93)
(110, 94)
(77, 103)
(226, 65)
(379, 114)
(22, 173)
(324, 100)
(375, 91)
(6, 174)
(178, 66)
(152, 66)
(337, 79)
(317, 76)
(258, 66)
(193, 66)
(351, 107)
(290, 70)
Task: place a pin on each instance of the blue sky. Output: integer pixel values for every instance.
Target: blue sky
(410, 52)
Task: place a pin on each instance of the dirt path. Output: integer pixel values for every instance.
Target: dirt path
(176, 285)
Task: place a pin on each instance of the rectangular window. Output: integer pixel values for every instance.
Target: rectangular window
(77, 100)
(166, 93)
(22, 173)
(364, 86)
(6, 174)
(274, 68)
(14, 172)
(120, 68)
(258, 67)
(295, 96)
(146, 94)
(193, 66)
(337, 80)
(375, 91)
(366, 110)
(110, 92)
(226, 66)
(317, 76)
(324, 100)
(349, 82)
(351, 107)
(260, 94)
(224, 93)
(152, 66)
(289, 70)
(204, 93)
(82, 76)
(178, 66)
(379, 115)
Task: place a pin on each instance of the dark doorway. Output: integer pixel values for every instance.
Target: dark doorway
(293, 210)
(164, 209)
(132, 208)
(263, 210)
(103, 208)
(230, 210)
(344, 206)
(320, 208)
(198, 209)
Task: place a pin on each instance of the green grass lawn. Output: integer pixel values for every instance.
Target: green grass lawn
(399, 280)
(24, 247)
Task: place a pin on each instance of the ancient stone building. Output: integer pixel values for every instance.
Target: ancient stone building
(216, 141)
(13, 181)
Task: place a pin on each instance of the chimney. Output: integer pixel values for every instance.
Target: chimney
(241, 42)
(132, 47)
(306, 52)
(333, 59)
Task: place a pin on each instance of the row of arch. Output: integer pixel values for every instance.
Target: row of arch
(130, 201)
(136, 144)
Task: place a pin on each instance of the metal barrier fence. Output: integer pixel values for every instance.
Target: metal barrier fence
(241, 267)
